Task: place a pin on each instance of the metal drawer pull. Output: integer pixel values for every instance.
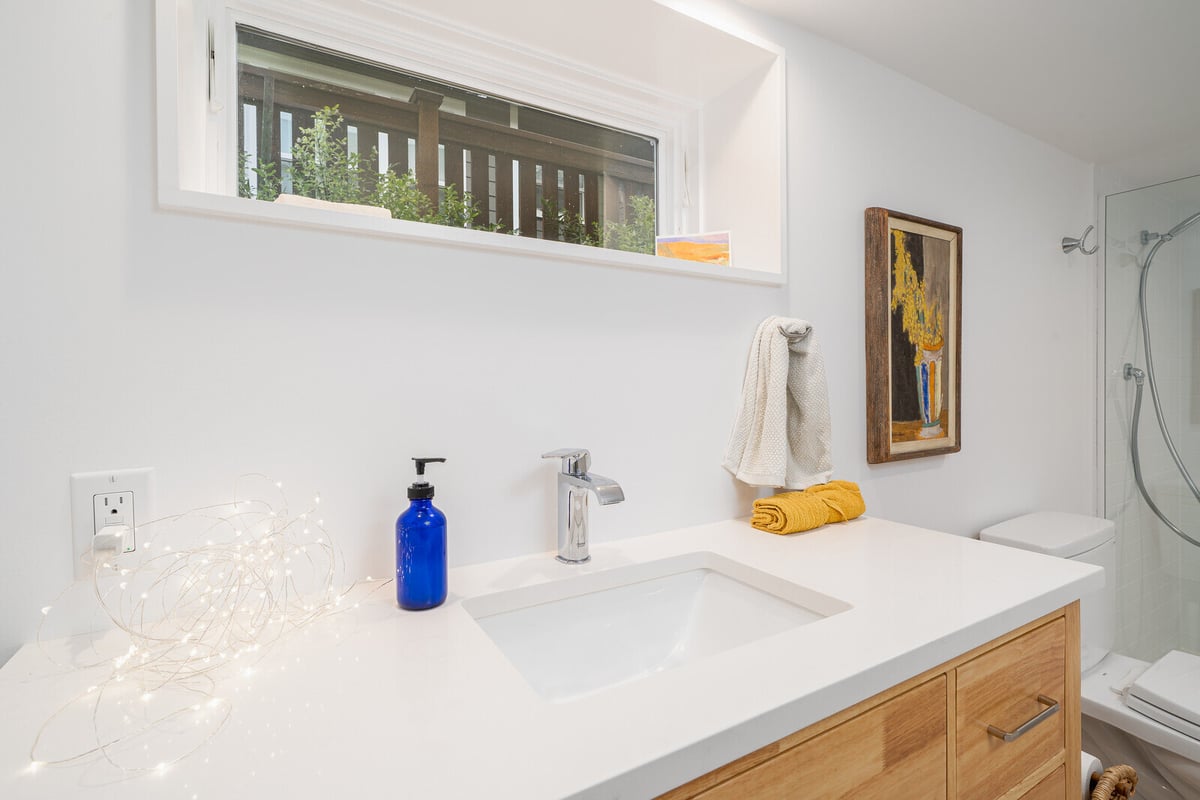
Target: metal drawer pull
(1045, 714)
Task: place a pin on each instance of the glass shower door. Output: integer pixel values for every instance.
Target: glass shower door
(1158, 574)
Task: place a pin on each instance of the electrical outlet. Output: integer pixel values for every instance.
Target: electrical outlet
(105, 499)
(114, 508)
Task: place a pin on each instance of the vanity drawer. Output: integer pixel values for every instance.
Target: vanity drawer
(1000, 689)
(1052, 787)
(896, 749)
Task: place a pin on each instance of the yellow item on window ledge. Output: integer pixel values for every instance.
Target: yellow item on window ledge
(793, 512)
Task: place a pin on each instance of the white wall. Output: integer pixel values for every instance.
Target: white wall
(1147, 168)
(207, 348)
(862, 136)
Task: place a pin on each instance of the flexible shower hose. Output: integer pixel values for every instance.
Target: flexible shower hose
(1138, 376)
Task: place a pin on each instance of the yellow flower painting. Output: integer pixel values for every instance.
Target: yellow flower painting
(914, 302)
(921, 309)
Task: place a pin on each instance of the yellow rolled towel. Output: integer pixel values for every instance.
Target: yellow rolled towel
(792, 512)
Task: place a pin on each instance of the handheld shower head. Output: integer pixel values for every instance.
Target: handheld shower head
(1178, 229)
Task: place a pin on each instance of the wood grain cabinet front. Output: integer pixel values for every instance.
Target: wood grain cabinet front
(1052, 787)
(897, 749)
(1000, 722)
(1010, 718)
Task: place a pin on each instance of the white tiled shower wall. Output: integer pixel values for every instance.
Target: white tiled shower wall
(1158, 575)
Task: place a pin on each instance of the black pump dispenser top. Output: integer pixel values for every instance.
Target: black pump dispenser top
(422, 490)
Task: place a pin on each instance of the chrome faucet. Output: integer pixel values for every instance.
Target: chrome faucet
(574, 483)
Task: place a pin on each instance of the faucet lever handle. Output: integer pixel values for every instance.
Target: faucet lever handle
(575, 460)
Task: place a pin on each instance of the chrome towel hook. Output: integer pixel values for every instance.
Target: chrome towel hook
(1069, 244)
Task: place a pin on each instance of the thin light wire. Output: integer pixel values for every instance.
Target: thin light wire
(206, 596)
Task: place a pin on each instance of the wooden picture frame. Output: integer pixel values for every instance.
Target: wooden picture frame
(914, 336)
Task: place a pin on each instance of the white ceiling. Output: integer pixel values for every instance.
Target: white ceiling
(1104, 80)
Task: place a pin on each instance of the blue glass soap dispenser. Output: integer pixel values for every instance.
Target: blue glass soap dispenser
(421, 547)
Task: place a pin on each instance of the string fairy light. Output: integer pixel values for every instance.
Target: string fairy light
(201, 602)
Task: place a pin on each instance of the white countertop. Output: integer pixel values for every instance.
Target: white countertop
(377, 700)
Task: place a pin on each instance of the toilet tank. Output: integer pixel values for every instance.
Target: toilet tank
(1077, 537)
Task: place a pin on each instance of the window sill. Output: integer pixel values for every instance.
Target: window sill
(324, 219)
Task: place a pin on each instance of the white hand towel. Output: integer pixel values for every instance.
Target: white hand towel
(781, 435)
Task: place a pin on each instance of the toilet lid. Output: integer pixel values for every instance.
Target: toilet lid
(1054, 533)
(1169, 692)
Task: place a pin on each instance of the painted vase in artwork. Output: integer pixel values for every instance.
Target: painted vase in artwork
(929, 389)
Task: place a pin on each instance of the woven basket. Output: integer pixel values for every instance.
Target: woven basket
(1117, 783)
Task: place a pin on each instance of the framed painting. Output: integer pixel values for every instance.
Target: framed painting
(914, 331)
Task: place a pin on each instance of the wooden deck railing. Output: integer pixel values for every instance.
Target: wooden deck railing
(482, 157)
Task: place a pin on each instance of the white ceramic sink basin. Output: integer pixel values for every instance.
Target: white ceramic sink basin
(576, 636)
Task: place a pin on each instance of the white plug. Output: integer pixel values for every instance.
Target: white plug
(111, 540)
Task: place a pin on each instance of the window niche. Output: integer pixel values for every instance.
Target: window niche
(551, 129)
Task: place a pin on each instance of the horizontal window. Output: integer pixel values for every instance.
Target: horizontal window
(324, 126)
(467, 125)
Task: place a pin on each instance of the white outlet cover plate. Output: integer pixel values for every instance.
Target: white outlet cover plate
(86, 485)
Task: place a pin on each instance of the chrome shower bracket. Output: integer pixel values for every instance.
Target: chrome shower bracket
(1069, 244)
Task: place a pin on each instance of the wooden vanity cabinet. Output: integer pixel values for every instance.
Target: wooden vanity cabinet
(928, 737)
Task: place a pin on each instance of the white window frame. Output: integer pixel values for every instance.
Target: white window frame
(198, 126)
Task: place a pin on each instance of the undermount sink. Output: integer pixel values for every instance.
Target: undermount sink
(573, 637)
